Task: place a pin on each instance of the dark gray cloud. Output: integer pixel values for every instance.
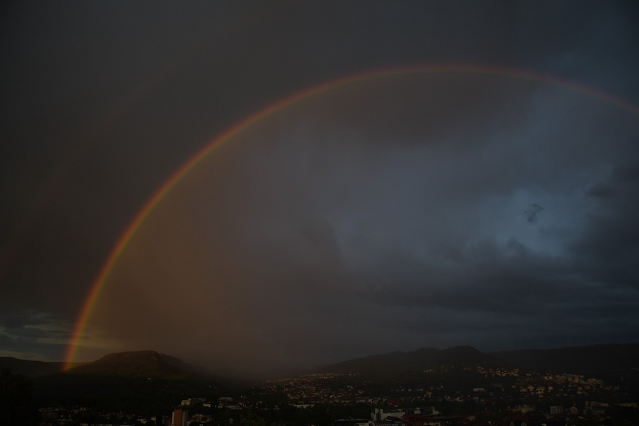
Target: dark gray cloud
(532, 212)
(305, 239)
(23, 334)
(627, 172)
(386, 215)
(600, 191)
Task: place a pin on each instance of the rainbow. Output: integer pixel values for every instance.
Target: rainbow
(174, 179)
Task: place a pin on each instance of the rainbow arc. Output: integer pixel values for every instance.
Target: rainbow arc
(288, 102)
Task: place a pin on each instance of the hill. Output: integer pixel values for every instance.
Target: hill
(30, 368)
(143, 364)
(140, 381)
(597, 360)
(396, 363)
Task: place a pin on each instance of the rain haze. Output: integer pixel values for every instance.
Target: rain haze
(471, 177)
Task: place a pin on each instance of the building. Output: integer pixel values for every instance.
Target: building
(179, 417)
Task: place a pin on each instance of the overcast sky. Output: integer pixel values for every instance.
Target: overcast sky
(429, 209)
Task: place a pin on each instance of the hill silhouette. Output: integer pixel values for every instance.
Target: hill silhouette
(144, 364)
(30, 368)
(602, 361)
(597, 360)
(139, 381)
(414, 361)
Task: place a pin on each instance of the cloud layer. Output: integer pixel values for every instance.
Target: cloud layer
(397, 213)
(393, 212)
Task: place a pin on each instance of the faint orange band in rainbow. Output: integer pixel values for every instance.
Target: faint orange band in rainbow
(289, 101)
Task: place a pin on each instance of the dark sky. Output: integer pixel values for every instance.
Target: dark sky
(412, 210)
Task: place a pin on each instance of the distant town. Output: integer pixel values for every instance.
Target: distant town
(506, 397)
(428, 387)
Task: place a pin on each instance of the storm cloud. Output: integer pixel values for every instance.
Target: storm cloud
(337, 227)
(532, 212)
(411, 210)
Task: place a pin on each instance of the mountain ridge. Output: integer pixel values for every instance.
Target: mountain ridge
(129, 379)
(399, 362)
(599, 359)
(603, 360)
(30, 368)
(147, 364)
